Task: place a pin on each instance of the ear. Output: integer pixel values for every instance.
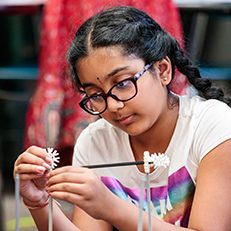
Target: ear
(164, 68)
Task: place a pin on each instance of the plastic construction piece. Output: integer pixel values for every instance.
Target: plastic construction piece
(147, 165)
(54, 155)
(55, 159)
(140, 222)
(150, 161)
(160, 160)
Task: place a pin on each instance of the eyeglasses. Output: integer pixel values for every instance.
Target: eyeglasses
(122, 91)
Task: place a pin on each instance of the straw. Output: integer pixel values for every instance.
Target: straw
(17, 197)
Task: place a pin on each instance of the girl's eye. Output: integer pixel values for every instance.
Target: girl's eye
(96, 97)
(92, 93)
(124, 84)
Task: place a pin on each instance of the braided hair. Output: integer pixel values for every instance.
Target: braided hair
(138, 34)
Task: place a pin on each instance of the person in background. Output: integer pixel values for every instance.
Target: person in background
(124, 62)
(54, 118)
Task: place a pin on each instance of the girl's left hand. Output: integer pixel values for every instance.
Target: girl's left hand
(82, 187)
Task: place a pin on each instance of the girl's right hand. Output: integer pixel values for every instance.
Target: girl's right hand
(32, 167)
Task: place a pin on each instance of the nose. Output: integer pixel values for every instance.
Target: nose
(113, 105)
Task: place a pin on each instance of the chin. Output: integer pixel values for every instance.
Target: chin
(132, 132)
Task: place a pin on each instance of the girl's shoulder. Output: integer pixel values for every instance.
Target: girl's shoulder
(198, 106)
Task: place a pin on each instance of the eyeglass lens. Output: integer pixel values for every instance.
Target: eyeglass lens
(122, 91)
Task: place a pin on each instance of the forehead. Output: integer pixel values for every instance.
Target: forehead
(102, 61)
(101, 55)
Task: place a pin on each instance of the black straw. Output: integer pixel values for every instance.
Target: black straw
(114, 164)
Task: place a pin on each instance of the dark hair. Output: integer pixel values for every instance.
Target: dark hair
(137, 33)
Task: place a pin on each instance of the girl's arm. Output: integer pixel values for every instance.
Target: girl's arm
(60, 221)
(87, 223)
(212, 202)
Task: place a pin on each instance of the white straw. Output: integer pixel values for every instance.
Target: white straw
(149, 202)
(140, 224)
(17, 196)
(55, 159)
(51, 214)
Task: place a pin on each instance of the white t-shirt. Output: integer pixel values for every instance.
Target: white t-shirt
(201, 126)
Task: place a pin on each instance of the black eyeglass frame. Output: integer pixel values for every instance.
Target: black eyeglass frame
(134, 79)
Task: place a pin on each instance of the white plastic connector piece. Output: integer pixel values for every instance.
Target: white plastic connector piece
(54, 155)
(160, 160)
(146, 162)
(155, 161)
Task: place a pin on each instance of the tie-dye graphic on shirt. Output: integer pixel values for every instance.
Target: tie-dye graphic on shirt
(171, 203)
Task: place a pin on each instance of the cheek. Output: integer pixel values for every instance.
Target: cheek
(148, 94)
(150, 98)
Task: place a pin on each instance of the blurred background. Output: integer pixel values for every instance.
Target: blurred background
(207, 34)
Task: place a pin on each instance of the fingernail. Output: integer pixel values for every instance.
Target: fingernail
(39, 173)
(47, 166)
(48, 159)
(41, 169)
(47, 176)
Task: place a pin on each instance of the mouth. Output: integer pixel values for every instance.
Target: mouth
(126, 120)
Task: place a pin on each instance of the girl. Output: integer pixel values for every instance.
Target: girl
(124, 62)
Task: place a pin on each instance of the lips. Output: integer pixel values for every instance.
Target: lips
(126, 120)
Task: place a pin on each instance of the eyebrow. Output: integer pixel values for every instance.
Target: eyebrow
(112, 73)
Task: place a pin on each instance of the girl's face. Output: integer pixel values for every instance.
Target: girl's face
(105, 67)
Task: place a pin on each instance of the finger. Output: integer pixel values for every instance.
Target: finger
(34, 155)
(67, 177)
(73, 169)
(30, 168)
(68, 188)
(81, 183)
(30, 159)
(72, 198)
(30, 176)
(72, 175)
(34, 160)
(40, 152)
(28, 172)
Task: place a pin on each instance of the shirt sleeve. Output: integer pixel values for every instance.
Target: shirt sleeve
(213, 129)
